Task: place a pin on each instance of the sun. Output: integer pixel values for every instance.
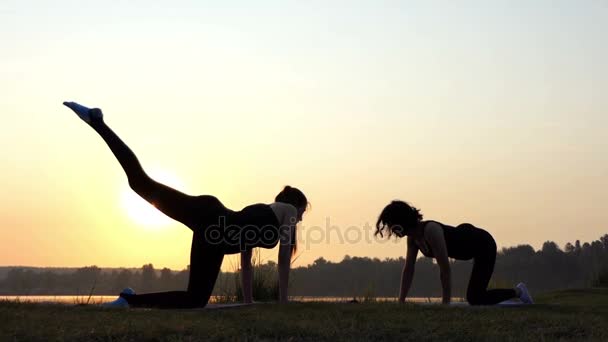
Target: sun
(142, 212)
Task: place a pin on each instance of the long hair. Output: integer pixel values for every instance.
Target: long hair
(295, 197)
(397, 213)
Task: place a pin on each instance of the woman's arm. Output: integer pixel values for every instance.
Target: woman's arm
(408, 269)
(434, 235)
(287, 232)
(284, 268)
(247, 276)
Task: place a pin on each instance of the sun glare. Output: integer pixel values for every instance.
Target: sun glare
(142, 212)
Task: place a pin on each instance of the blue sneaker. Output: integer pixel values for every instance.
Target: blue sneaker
(85, 113)
(524, 295)
(120, 302)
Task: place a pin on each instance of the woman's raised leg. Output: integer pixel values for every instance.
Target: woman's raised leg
(205, 259)
(171, 202)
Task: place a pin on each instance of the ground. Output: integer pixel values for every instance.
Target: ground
(572, 315)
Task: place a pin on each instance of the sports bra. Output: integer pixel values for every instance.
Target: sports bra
(463, 242)
(237, 231)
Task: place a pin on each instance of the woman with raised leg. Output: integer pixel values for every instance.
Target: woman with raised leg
(217, 230)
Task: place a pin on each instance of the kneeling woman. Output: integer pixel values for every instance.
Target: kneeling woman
(217, 230)
(439, 241)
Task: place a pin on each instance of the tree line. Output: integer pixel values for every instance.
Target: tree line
(575, 265)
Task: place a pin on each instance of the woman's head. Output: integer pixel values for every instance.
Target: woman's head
(398, 218)
(294, 197)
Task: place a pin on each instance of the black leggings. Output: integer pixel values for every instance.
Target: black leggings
(205, 260)
(483, 267)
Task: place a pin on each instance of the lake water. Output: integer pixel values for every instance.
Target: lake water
(103, 299)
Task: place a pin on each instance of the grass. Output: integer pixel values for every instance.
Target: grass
(572, 315)
(265, 284)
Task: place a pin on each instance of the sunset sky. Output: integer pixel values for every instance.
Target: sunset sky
(488, 112)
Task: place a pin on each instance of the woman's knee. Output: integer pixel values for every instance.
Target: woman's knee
(198, 298)
(475, 298)
(142, 185)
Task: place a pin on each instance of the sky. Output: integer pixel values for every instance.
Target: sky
(492, 113)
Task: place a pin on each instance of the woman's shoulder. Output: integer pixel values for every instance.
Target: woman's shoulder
(282, 206)
(283, 210)
(254, 206)
(433, 222)
(426, 223)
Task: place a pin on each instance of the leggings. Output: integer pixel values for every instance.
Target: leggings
(483, 267)
(205, 259)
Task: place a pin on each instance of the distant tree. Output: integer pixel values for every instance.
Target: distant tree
(166, 279)
(85, 279)
(121, 280)
(181, 278)
(577, 247)
(604, 241)
(319, 262)
(549, 268)
(49, 281)
(148, 278)
(550, 247)
(569, 248)
(20, 281)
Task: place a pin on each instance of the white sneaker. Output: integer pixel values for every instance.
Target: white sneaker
(120, 302)
(85, 113)
(524, 295)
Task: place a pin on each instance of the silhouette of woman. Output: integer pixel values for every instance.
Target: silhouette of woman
(217, 229)
(439, 241)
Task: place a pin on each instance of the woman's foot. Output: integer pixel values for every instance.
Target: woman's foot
(85, 113)
(523, 293)
(120, 302)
